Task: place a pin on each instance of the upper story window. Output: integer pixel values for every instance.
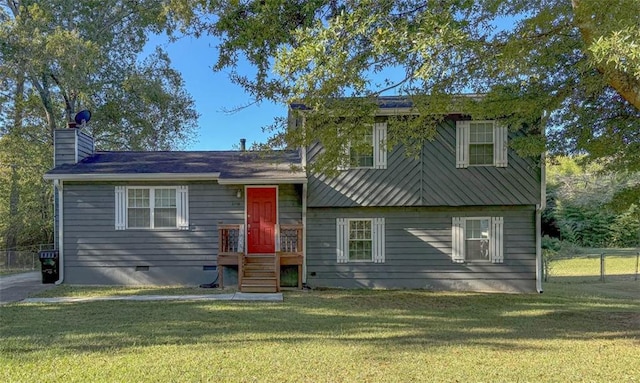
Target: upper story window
(370, 151)
(151, 207)
(361, 152)
(481, 143)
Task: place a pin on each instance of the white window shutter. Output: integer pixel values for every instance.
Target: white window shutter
(457, 239)
(378, 237)
(380, 145)
(500, 146)
(496, 240)
(182, 207)
(241, 239)
(121, 208)
(342, 240)
(462, 144)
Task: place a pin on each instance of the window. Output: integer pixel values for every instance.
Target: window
(361, 152)
(360, 247)
(360, 240)
(151, 207)
(481, 143)
(368, 152)
(477, 239)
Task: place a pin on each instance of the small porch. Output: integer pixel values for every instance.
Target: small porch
(260, 272)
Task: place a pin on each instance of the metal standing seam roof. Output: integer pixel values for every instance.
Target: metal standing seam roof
(229, 165)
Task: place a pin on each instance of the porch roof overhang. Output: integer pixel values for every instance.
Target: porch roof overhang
(262, 181)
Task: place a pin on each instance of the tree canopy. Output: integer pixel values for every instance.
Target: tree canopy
(60, 56)
(572, 67)
(64, 55)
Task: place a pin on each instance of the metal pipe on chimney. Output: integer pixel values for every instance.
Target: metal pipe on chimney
(243, 144)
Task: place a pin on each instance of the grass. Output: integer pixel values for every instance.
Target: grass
(588, 267)
(565, 334)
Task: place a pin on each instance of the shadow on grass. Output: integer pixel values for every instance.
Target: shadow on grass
(398, 319)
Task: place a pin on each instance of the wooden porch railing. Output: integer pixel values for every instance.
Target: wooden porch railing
(231, 252)
(291, 239)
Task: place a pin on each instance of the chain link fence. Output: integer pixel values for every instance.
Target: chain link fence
(22, 259)
(595, 266)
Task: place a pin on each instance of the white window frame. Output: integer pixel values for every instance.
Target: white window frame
(349, 221)
(379, 143)
(466, 238)
(463, 141)
(377, 240)
(459, 240)
(122, 207)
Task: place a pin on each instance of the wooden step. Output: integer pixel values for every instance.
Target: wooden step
(258, 289)
(259, 281)
(259, 274)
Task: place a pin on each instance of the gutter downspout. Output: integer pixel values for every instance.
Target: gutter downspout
(303, 154)
(60, 186)
(304, 233)
(539, 209)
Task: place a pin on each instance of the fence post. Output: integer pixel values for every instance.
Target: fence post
(602, 267)
(637, 262)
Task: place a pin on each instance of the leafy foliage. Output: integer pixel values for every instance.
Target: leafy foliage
(569, 66)
(59, 56)
(587, 207)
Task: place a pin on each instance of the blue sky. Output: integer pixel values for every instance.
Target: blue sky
(213, 93)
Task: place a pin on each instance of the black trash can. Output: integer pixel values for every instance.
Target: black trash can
(49, 262)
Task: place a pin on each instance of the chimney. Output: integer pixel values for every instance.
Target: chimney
(70, 146)
(243, 144)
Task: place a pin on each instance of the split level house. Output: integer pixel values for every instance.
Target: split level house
(464, 215)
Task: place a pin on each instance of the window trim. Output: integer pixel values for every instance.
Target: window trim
(488, 239)
(349, 220)
(493, 143)
(122, 207)
(459, 239)
(152, 208)
(463, 142)
(378, 240)
(379, 150)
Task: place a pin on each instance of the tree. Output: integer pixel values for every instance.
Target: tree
(85, 55)
(570, 66)
(59, 56)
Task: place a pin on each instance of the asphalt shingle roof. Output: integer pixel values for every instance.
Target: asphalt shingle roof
(230, 164)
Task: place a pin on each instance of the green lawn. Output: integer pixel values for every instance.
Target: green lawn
(565, 334)
(588, 267)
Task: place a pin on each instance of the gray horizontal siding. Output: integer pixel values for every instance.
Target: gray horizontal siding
(64, 141)
(431, 180)
(418, 250)
(85, 146)
(96, 253)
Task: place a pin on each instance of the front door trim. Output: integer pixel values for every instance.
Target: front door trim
(277, 223)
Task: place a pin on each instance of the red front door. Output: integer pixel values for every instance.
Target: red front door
(261, 220)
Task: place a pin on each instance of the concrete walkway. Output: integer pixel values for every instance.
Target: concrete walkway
(267, 297)
(16, 287)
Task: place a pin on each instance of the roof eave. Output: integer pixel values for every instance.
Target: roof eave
(262, 181)
(133, 176)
